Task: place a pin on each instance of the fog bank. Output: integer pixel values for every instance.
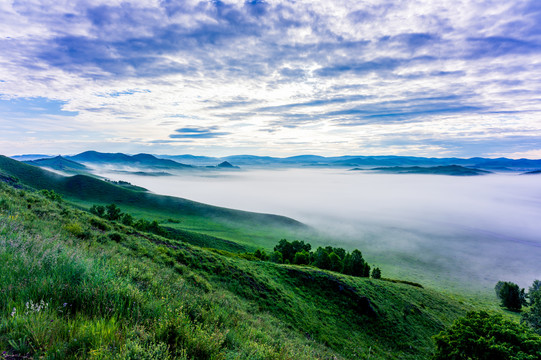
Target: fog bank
(418, 227)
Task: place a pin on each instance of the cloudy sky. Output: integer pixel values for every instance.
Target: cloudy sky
(411, 77)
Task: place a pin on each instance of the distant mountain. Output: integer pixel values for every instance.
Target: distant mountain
(513, 164)
(139, 160)
(227, 165)
(534, 172)
(453, 170)
(59, 163)
(30, 157)
(191, 159)
(166, 162)
(251, 160)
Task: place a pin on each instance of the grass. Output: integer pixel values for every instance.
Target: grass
(107, 291)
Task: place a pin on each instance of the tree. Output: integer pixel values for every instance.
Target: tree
(480, 336)
(533, 316)
(376, 273)
(261, 254)
(355, 265)
(113, 212)
(276, 257)
(301, 258)
(321, 259)
(511, 296)
(98, 210)
(127, 219)
(534, 290)
(335, 263)
(289, 249)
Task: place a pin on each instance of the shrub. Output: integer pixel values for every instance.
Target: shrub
(77, 230)
(116, 237)
(135, 350)
(482, 336)
(98, 210)
(113, 212)
(51, 195)
(99, 224)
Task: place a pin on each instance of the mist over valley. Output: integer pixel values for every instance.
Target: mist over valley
(445, 230)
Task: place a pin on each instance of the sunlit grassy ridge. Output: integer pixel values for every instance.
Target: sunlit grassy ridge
(110, 291)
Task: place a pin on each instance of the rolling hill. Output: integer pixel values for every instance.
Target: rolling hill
(59, 163)
(87, 190)
(119, 159)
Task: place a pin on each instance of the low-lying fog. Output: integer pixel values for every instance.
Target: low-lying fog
(427, 228)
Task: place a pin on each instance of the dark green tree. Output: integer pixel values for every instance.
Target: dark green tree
(276, 257)
(321, 259)
(127, 219)
(301, 258)
(532, 317)
(98, 210)
(340, 252)
(480, 336)
(113, 212)
(335, 263)
(355, 265)
(261, 254)
(376, 273)
(511, 296)
(289, 249)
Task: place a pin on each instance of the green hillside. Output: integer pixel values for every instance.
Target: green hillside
(251, 229)
(78, 286)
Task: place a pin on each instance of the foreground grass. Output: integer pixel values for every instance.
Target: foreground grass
(74, 286)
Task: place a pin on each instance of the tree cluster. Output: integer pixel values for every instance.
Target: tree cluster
(328, 258)
(112, 212)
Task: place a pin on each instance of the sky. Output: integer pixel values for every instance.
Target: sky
(383, 77)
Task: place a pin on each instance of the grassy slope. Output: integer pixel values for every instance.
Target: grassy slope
(142, 295)
(249, 229)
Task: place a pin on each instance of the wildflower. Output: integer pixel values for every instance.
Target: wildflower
(13, 312)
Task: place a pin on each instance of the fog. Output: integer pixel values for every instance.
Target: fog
(440, 230)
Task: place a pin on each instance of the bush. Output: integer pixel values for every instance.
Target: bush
(135, 350)
(481, 336)
(116, 237)
(51, 195)
(113, 212)
(99, 224)
(77, 230)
